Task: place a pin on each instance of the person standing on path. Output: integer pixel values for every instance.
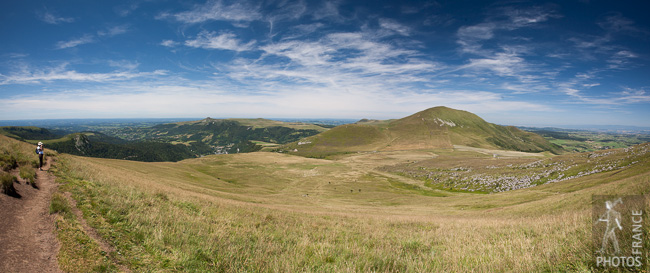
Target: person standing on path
(40, 152)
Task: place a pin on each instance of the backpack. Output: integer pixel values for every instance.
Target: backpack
(36, 150)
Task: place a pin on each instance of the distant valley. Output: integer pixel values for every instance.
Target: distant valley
(171, 141)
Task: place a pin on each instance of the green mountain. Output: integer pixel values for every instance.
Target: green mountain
(93, 144)
(438, 127)
(224, 135)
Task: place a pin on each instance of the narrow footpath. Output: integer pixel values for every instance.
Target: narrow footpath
(27, 234)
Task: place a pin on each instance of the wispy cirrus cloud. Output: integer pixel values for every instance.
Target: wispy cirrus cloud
(169, 43)
(502, 64)
(51, 18)
(471, 38)
(633, 95)
(622, 60)
(509, 61)
(357, 54)
(86, 39)
(92, 38)
(113, 31)
(394, 26)
(225, 41)
(605, 45)
(123, 64)
(578, 87)
(217, 10)
(62, 73)
(617, 23)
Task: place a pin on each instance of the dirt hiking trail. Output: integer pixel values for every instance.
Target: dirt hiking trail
(27, 234)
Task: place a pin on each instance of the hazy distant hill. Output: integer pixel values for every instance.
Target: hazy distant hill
(438, 127)
(30, 132)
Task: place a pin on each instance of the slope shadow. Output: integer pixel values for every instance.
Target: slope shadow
(11, 191)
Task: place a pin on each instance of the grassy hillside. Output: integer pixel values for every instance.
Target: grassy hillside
(278, 212)
(438, 127)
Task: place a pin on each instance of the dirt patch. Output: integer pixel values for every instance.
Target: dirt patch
(27, 238)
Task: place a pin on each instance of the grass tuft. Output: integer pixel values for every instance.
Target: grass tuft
(29, 174)
(59, 204)
(7, 185)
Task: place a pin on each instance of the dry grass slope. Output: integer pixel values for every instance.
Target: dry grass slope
(278, 212)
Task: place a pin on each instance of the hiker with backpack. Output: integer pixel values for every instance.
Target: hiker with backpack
(40, 153)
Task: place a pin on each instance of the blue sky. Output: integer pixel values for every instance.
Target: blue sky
(510, 62)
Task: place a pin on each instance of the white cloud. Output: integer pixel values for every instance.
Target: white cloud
(86, 39)
(89, 38)
(578, 89)
(305, 53)
(227, 41)
(126, 9)
(394, 26)
(518, 18)
(300, 31)
(286, 10)
(621, 60)
(169, 43)
(471, 38)
(339, 60)
(61, 73)
(328, 10)
(53, 19)
(502, 64)
(630, 96)
(15, 55)
(124, 64)
(113, 31)
(218, 11)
